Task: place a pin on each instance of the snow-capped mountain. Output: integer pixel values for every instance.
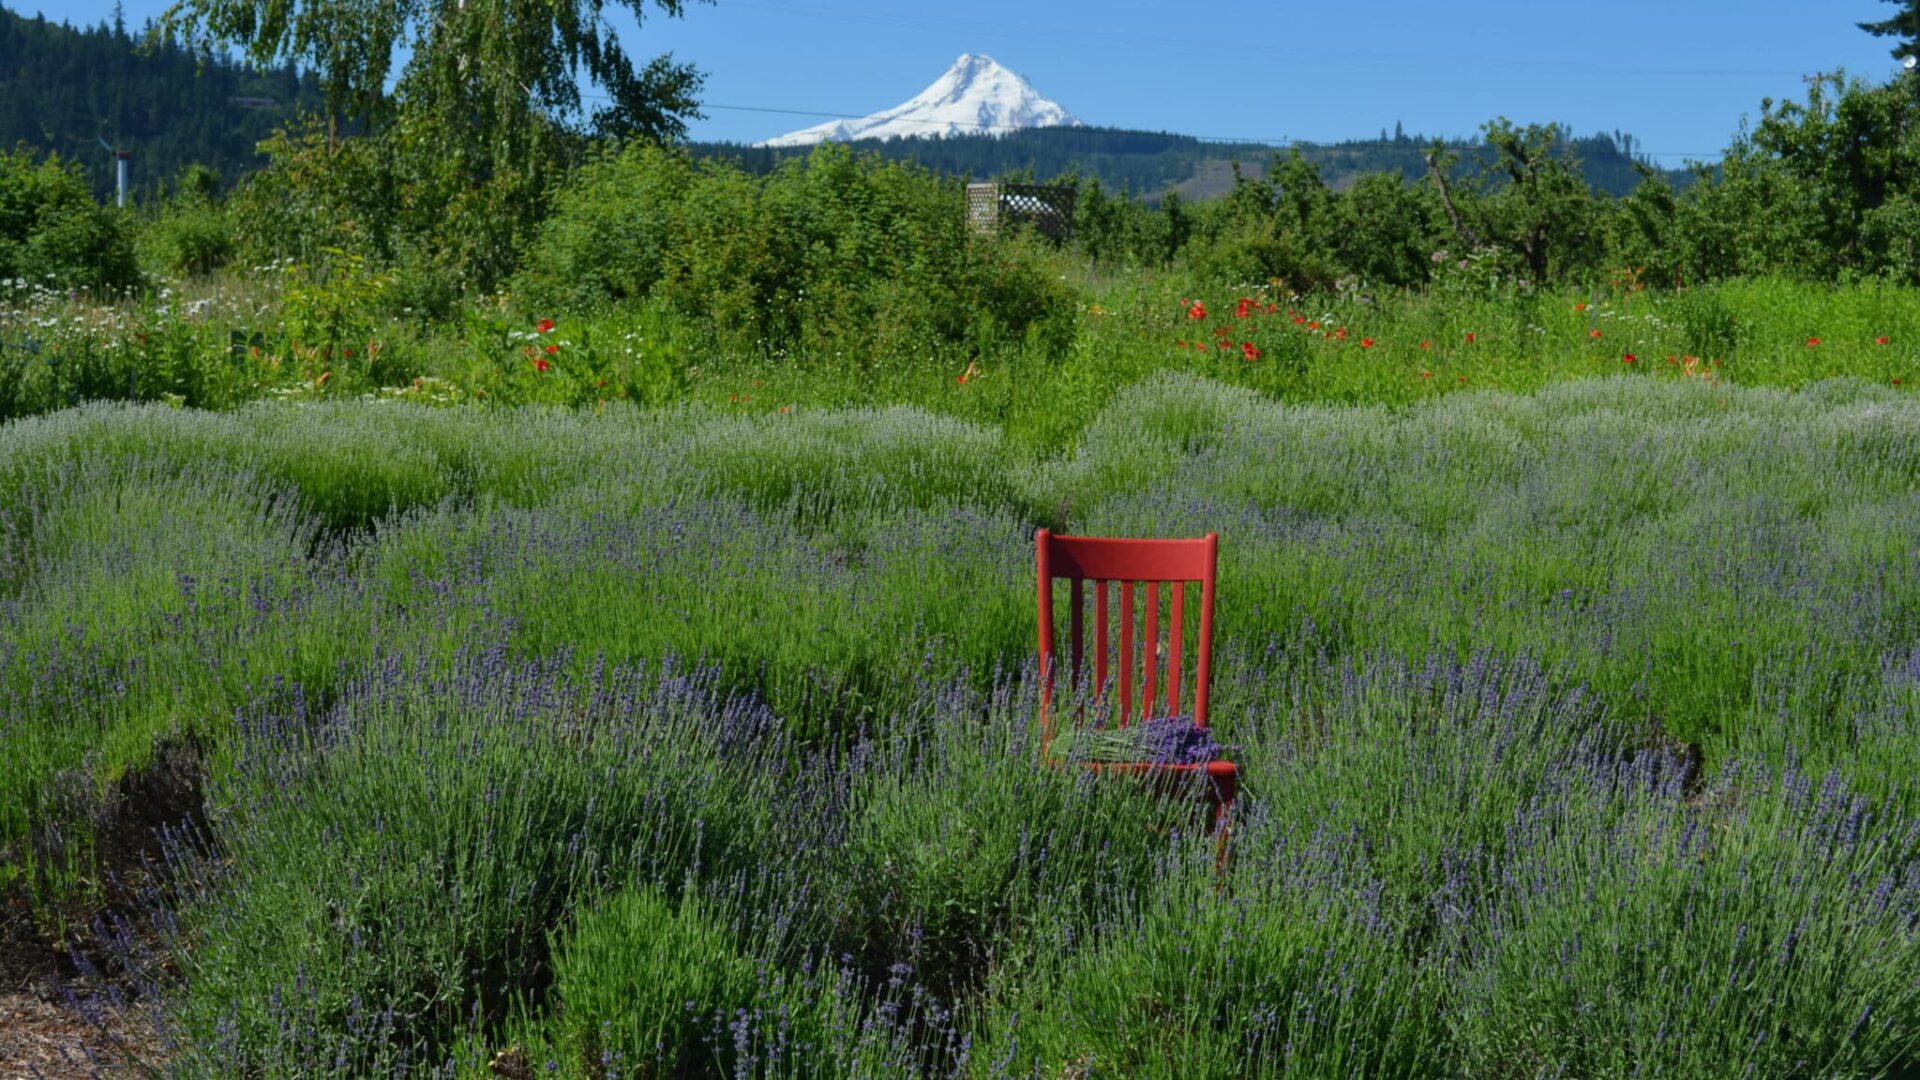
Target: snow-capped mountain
(975, 95)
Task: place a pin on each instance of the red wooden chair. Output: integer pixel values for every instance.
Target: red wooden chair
(1131, 564)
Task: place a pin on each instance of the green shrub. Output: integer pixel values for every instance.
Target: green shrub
(53, 233)
(837, 257)
(191, 235)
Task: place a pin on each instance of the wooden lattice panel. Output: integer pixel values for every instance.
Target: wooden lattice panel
(992, 207)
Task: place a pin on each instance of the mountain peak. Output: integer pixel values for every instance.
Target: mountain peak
(976, 94)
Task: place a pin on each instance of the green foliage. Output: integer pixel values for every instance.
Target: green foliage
(474, 129)
(330, 320)
(52, 233)
(187, 238)
(191, 234)
(310, 199)
(836, 256)
(1825, 188)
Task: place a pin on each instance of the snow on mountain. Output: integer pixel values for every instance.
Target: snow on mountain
(975, 95)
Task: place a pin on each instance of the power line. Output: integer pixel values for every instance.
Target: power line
(1081, 37)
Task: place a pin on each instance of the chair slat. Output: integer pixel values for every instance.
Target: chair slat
(1100, 637)
(1126, 652)
(1203, 661)
(1078, 620)
(1174, 628)
(1150, 651)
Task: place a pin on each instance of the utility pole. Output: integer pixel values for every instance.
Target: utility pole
(119, 172)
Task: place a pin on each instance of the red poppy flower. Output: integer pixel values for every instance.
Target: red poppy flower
(1463, 378)
(1243, 309)
(1341, 333)
(1197, 312)
(1595, 334)
(1628, 359)
(1579, 307)
(1812, 342)
(962, 380)
(1426, 344)
(1896, 382)
(1299, 319)
(1471, 338)
(541, 365)
(1366, 343)
(1225, 346)
(1247, 348)
(1426, 374)
(1880, 341)
(545, 326)
(1313, 325)
(551, 349)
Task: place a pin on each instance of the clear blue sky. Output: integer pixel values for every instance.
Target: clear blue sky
(1677, 74)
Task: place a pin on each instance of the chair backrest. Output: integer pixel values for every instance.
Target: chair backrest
(1104, 561)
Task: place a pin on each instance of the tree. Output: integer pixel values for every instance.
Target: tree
(506, 65)
(1905, 25)
(484, 118)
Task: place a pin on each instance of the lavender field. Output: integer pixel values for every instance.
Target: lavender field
(362, 739)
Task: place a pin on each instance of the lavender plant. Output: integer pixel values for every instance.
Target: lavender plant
(1576, 724)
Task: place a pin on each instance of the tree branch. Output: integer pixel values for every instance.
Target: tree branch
(1446, 199)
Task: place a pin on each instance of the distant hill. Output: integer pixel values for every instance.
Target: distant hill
(1150, 164)
(65, 89)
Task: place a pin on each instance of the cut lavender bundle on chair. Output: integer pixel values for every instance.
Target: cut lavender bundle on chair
(1165, 740)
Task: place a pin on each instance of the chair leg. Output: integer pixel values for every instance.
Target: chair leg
(1225, 791)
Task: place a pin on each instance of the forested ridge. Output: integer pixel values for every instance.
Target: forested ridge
(1148, 163)
(69, 89)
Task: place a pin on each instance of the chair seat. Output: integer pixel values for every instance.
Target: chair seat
(1163, 740)
(1213, 769)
